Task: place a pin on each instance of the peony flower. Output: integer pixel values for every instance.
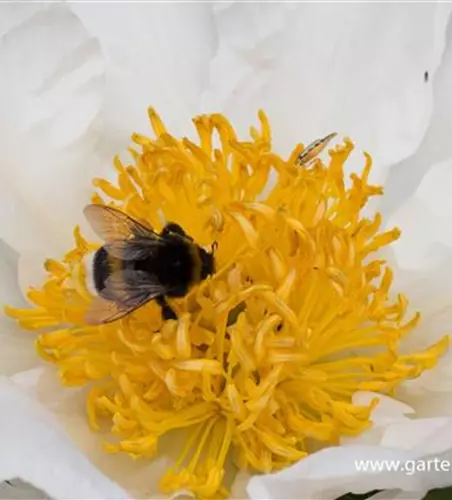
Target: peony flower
(302, 353)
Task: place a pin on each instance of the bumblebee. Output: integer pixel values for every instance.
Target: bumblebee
(314, 149)
(136, 265)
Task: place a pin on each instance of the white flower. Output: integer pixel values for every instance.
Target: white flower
(75, 79)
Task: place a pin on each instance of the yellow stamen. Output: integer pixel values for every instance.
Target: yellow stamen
(266, 355)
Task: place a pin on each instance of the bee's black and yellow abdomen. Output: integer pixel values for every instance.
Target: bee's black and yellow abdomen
(103, 266)
(101, 269)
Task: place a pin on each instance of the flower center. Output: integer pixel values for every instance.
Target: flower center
(265, 356)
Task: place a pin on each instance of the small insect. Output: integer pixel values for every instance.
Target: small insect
(314, 149)
(426, 76)
(137, 265)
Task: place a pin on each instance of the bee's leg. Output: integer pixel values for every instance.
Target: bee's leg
(167, 312)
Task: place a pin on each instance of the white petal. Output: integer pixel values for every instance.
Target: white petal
(13, 17)
(436, 145)
(387, 407)
(357, 69)
(16, 489)
(422, 255)
(31, 269)
(158, 55)
(333, 472)
(238, 489)
(429, 394)
(420, 247)
(17, 350)
(431, 441)
(26, 430)
(51, 92)
(9, 283)
(388, 411)
(415, 434)
(425, 220)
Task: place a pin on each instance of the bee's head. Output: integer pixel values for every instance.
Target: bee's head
(207, 261)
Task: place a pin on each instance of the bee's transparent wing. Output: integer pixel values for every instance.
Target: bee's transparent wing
(103, 311)
(112, 225)
(131, 287)
(137, 248)
(124, 292)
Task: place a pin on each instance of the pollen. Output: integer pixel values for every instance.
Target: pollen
(261, 365)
